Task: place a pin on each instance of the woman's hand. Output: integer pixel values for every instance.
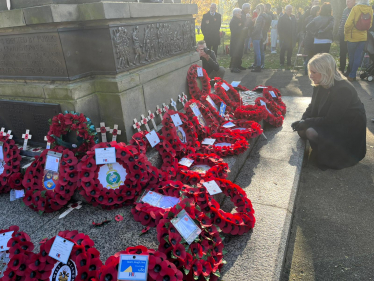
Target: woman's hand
(294, 125)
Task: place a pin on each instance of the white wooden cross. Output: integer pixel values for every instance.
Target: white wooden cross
(184, 97)
(115, 132)
(9, 134)
(181, 99)
(26, 138)
(103, 131)
(2, 131)
(48, 143)
(151, 117)
(145, 120)
(159, 111)
(165, 107)
(174, 104)
(227, 117)
(137, 125)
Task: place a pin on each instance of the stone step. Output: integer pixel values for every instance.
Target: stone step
(270, 177)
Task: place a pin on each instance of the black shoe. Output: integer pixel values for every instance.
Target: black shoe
(235, 70)
(256, 69)
(242, 68)
(252, 66)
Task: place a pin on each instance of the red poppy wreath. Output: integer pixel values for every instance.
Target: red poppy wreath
(10, 163)
(273, 95)
(231, 93)
(148, 214)
(47, 191)
(192, 79)
(203, 166)
(72, 130)
(200, 115)
(116, 184)
(159, 268)
(236, 224)
(83, 263)
(273, 115)
(244, 128)
(226, 144)
(213, 103)
(180, 137)
(14, 261)
(169, 163)
(202, 259)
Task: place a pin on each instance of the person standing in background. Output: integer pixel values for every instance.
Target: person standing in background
(210, 26)
(287, 34)
(238, 31)
(258, 37)
(274, 35)
(359, 21)
(309, 37)
(342, 43)
(246, 18)
(269, 18)
(322, 27)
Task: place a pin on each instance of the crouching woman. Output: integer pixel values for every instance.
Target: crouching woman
(335, 120)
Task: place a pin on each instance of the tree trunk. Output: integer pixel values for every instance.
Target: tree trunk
(337, 7)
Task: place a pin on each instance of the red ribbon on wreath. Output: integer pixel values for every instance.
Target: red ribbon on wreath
(245, 128)
(238, 145)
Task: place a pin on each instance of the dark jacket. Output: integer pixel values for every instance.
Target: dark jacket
(343, 20)
(321, 27)
(211, 64)
(258, 29)
(238, 34)
(210, 26)
(287, 30)
(309, 37)
(338, 116)
(269, 18)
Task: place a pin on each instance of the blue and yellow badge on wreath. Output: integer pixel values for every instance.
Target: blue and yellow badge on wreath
(112, 176)
(50, 179)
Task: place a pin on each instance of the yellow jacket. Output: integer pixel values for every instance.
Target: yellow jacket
(352, 34)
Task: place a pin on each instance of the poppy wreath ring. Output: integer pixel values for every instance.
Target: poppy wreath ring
(182, 136)
(192, 77)
(226, 144)
(203, 258)
(211, 123)
(159, 268)
(117, 184)
(11, 162)
(149, 215)
(244, 128)
(231, 93)
(169, 166)
(44, 191)
(204, 166)
(236, 224)
(69, 123)
(20, 252)
(267, 93)
(273, 115)
(217, 101)
(83, 263)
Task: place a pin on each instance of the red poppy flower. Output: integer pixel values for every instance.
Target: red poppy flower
(118, 218)
(197, 267)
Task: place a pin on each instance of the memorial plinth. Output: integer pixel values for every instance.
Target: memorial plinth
(112, 61)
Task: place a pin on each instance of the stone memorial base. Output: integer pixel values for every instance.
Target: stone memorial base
(112, 61)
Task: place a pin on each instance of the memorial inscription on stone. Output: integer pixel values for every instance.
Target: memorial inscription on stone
(19, 116)
(32, 55)
(136, 45)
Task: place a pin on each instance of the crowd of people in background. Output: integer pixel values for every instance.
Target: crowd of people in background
(284, 28)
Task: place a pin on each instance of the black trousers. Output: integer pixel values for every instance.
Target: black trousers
(321, 48)
(343, 54)
(212, 47)
(286, 47)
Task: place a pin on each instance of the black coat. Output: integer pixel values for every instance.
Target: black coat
(338, 116)
(238, 34)
(258, 29)
(321, 27)
(287, 30)
(210, 26)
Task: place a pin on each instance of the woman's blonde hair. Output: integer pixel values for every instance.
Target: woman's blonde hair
(326, 65)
